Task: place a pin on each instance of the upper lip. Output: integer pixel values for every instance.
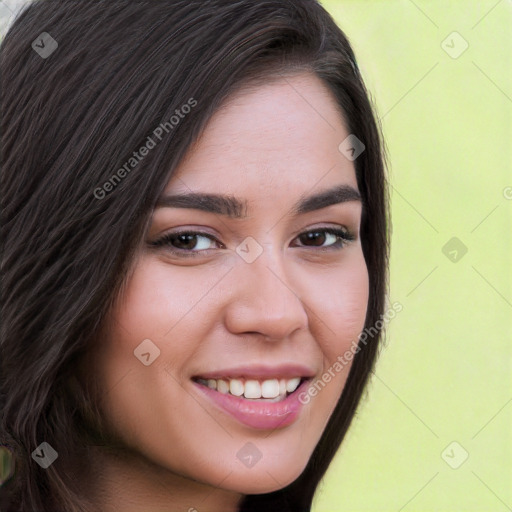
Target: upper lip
(260, 372)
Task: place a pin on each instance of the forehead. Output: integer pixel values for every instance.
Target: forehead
(277, 139)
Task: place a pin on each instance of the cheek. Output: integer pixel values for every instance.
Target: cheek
(339, 300)
(157, 304)
(339, 307)
(154, 300)
(152, 307)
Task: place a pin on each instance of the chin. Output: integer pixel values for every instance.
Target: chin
(263, 480)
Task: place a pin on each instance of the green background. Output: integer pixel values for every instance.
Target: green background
(445, 372)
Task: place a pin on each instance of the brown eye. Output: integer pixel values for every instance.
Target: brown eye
(334, 237)
(316, 237)
(185, 242)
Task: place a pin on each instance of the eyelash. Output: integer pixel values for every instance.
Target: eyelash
(166, 240)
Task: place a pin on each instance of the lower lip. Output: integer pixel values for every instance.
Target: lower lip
(260, 415)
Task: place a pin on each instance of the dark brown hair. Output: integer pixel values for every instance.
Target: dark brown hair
(68, 120)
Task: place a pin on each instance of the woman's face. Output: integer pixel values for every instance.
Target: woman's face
(253, 297)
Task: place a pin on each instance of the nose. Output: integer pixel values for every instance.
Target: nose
(264, 300)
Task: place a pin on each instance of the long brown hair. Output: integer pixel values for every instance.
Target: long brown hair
(69, 119)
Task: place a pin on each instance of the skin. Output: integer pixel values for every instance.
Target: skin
(296, 303)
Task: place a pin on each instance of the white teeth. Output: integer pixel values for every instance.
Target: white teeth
(282, 386)
(272, 389)
(252, 389)
(236, 387)
(292, 384)
(222, 386)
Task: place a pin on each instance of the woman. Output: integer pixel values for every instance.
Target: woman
(194, 228)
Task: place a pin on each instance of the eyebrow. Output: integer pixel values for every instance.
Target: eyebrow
(235, 208)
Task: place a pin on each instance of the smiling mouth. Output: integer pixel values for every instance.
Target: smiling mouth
(255, 390)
